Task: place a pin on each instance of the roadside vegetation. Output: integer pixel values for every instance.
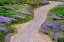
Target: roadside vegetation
(15, 12)
(54, 25)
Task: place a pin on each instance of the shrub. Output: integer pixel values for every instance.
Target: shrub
(5, 2)
(60, 39)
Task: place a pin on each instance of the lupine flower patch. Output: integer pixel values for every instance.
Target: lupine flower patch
(56, 17)
(5, 7)
(21, 11)
(6, 19)
(49, 25)
(27, 7)
(42, 30)
(55, 27)
(62, 27)
(20, 17)
(45, 2)
(3, 29)
(57, 6)
(7, 37)
(57, 35)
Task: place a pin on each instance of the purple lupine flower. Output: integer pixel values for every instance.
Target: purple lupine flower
(42, 30)
(56, 17)
(17, 16)
(62, 27)
(13, 19)
(44, 1)
(57, 6)
(21, 11)
(54, 27)
(7, 37)
(20, 17)
(57, 35)
(8, 8)
(27, 7)
(57, 29)
(3, 29)
(5, 19)
(47, 25)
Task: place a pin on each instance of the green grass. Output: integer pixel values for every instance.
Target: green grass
(58, 11)
(19, 7)
(50, 33)
(62, 4)
(6, 41)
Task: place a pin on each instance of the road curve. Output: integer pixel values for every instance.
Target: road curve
(29, 34)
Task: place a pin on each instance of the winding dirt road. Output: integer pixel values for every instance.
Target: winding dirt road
(28, 32)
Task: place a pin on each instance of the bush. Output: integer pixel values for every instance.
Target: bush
(60, 39)
(3, 2)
